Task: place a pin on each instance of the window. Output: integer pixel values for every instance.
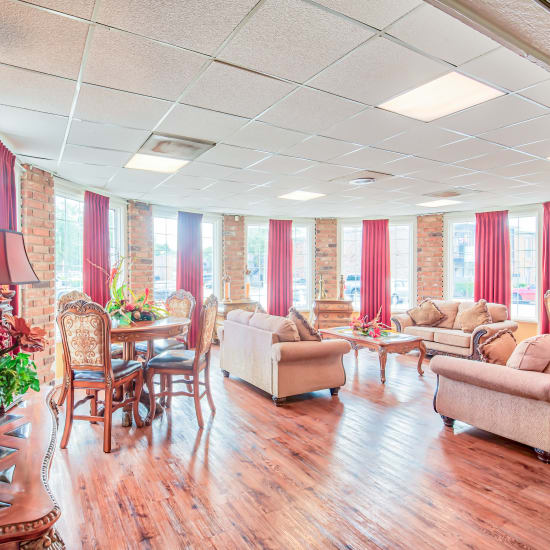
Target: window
(524, 252)
(301, 265)
(402, 296)
(350, 262)
(208, 259)
(256, 260)
(462, 257)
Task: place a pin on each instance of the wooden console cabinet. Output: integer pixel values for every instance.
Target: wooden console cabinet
(331, 313)
(225, 307)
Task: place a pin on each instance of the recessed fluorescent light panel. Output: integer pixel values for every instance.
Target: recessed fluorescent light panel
(435, 204)
(155, 164)
(301, 196)
(445, 95)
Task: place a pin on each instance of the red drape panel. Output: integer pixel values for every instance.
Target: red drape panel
(492, 258)
(545, 282)
(96, 262)
(8, 200)
(375, 270)
(279, 267)
(189, 266)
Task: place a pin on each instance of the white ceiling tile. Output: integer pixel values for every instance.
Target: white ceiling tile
(481, 181)
(193, 122)
(203, 169)
(236, 91)
(419, 139)
(371, 126)
(442, 173)
(279, 164)
(522, 133)
(265, 137)
(501, 111)
(539, 93)
(462, 150)
(492, 160)
(36, 91)
(194, 24)
(321, 148)
(91, 155)
(539, 148)
(377, 13)
(183, 182)
(326, 172)
(522, 169)
(406, 165)
(251, 177)
(310, 111)
(433, 31)
(80, 8)
(384, 70)
(44, 164)
(42, 41)
(505, 68)
(139, 181)
(106, 136)
(368, 158)
(33, 133)
(99, 104)
(86, 174)
(228, 155)
(127, 62)
(293, 39)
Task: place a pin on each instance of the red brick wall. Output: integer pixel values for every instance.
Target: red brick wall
(326, 255)
(140, 246)
(234, 254)
(430, 256)
(38, 226)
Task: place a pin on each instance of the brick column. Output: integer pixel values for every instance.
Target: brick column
(430, 257)
(326, 255)
(140, 246)
(234, 254)
(38, 226)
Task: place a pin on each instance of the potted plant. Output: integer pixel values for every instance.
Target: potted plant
(373, 328)
(17, 370)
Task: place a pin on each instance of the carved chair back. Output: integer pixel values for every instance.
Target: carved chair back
(180, 304)
(547, 303)
(71, 296)
(86, 336)
(207, 324)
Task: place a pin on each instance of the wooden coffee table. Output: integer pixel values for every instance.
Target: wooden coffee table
(395, 343)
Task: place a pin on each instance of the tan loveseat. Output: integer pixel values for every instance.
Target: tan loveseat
(447, 338)
(280, 368)
(506, 401)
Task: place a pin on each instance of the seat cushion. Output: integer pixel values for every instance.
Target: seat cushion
(426, 333)
(173, 359)
(120, 370)
(161, 345)
(116, 350)
(449, 309)
(452, 337)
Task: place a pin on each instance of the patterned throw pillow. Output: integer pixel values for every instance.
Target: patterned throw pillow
(498, 348)
(426, 314)
(532, 354)
(471, 318)
(305, 330)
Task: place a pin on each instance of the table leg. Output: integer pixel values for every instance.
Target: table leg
(422, 349)
(128, 353)
(382, 356)
(356, 350)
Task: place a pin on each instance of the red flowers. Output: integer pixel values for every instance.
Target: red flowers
(29, 339)
(373, 328)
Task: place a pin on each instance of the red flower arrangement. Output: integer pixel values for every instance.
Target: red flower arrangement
(373, 328)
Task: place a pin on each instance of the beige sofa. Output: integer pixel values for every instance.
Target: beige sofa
(279, 368)
(508, 402)
(447, 338)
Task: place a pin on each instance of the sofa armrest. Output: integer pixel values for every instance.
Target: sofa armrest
(401, 321)
(493, 328)
(500, 378)
(301, 351)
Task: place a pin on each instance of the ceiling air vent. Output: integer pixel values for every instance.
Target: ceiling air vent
(361, 178)
(175, 147)
(456, 192)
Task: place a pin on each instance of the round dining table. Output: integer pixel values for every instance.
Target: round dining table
(145, 331)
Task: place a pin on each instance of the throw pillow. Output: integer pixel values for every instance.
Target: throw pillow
(532, 354)
(471, 318)
(426, 314)
(260, 309)
(305, 330)
(498, 348)
(284, 328)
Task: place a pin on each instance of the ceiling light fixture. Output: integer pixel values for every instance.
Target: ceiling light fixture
(435, 204)
(362, 181)
(154, 163)
(301, 196)
(445, 95)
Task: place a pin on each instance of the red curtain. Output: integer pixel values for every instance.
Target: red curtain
(8, 200)
(96, 264)
(279, 267)
(189, 266)
(375, 270)
(492, 258)
(545, 283)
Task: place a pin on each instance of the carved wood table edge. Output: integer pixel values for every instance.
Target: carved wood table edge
(401, 344)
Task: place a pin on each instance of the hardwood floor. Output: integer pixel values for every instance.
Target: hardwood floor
(371, 468)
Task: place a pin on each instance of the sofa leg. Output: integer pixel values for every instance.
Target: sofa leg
(543, 456)
(447, 420)
(278, 400)
(225, 373)
(334, 391)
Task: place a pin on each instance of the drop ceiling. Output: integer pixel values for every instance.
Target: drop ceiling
(287, 89)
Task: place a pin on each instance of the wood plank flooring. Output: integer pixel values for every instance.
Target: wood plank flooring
(371, 468)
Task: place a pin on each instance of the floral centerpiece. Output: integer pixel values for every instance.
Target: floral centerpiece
(18, 372)
(373, 328)
(127, 308)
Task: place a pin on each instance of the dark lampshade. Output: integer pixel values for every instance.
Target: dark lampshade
(15, 268)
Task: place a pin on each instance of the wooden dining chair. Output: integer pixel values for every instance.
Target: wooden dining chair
(86, 336)
(187, 363)
(547, 303)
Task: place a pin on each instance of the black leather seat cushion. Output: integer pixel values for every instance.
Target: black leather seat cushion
(173, 359)
(161, 345)
(120, 370)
